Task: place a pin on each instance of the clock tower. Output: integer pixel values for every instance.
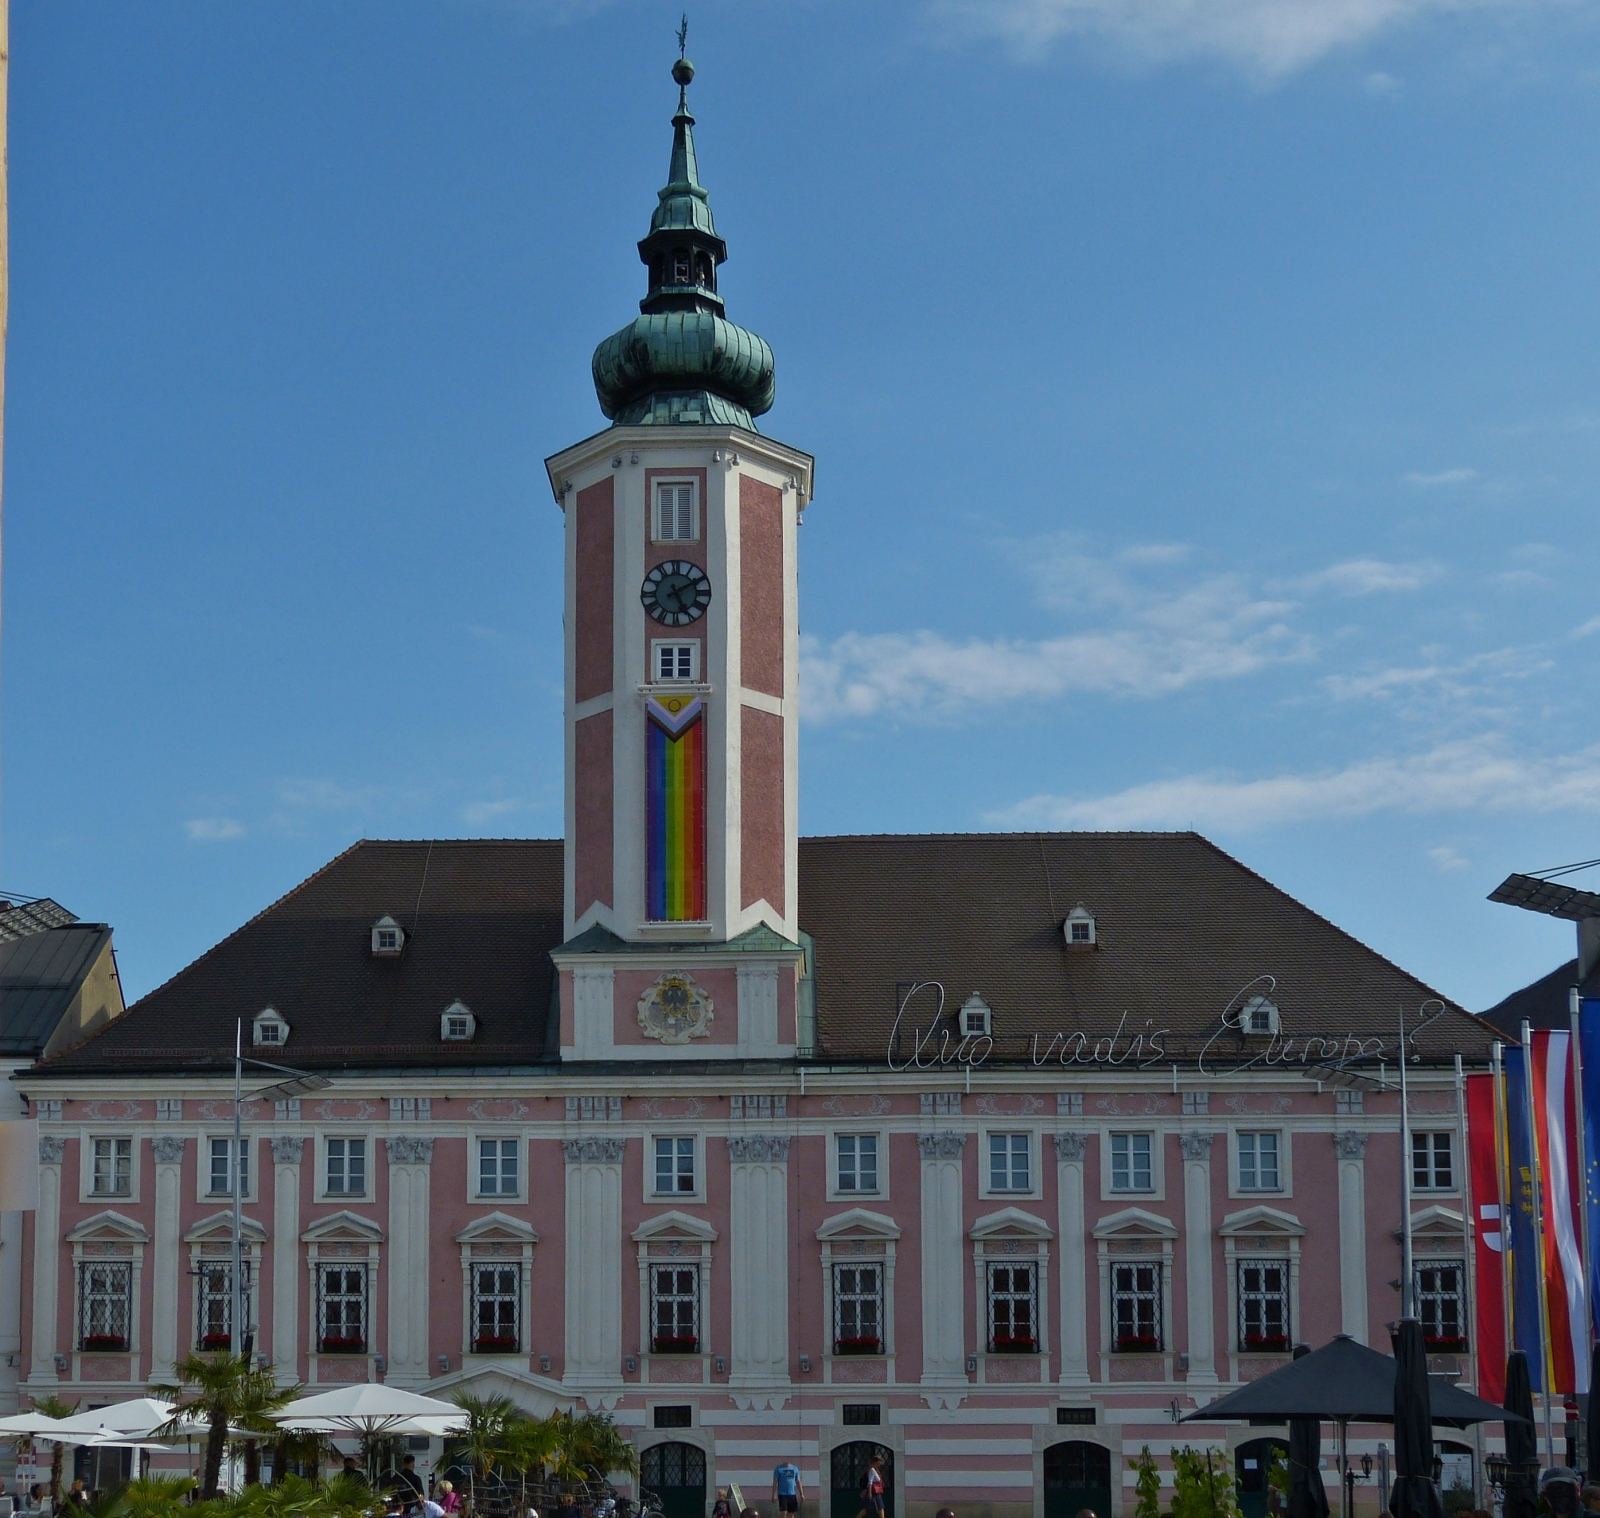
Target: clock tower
(682, 672)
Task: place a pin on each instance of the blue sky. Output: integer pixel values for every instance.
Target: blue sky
(1204, 397)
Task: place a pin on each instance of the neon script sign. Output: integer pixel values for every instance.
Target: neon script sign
(938, 1046)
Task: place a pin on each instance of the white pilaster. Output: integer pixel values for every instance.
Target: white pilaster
(287, 1150)
(759, 1257)
(593, 1012)
(758, 1011)
(944, 1339)
(166, 1264)
(1197, 1256)
(1070, 1151)
(1352, 1146)
(594, 1262)
(410, 1166)
(46, 1258)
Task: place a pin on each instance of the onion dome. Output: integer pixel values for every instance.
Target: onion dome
(681, 360)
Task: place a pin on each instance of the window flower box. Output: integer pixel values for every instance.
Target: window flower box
(1136, 1344)
(1445, 1344)
(858, 1346)
(216, 1341)
(682, 1345)
(116, 1344)
(341, 1346)
(506, 1344)
(1266, 1344)
(1014, 1347)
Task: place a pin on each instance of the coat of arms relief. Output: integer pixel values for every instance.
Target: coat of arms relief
(675, 1010)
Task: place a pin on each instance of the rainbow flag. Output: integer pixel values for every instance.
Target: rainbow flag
(675, 759)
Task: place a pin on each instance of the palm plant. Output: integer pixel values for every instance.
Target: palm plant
(54, 1407)
(259, 1394)
(531, 1445)
(486, 1440)
(155, 1496)
(215, 1389)
(597, 1445)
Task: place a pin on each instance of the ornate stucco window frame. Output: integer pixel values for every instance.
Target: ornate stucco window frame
(1285, 1135)
(864, 1236)
(499, 1134)
(494, 1239)
(109, 1236)
(1259, 1233)
(675, 1238)
(1012, 1236)
(344, 1236)
(210, 1241)
(1134, 1236)
(87, 1195)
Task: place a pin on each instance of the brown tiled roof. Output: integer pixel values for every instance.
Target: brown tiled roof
(1182, 929)
(480, 918)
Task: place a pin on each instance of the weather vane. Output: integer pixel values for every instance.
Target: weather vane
(683, 35)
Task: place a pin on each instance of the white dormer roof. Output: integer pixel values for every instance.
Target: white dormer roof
(388, 938)
(269, 1027)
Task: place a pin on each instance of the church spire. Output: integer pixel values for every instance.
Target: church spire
(681, 360)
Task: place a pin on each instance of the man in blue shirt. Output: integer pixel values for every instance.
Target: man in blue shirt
(787, 1490)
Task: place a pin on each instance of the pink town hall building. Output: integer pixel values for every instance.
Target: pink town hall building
(983, 1156)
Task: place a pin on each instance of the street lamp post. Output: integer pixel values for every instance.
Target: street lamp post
(299, 1083)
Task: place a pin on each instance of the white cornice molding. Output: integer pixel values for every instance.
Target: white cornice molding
(220, 1226)
(343, 1225)
(1135, 1221)
(497, 1225)
(1261, 1220)
(1010, 1220)
(108, 1222)
(754, 446)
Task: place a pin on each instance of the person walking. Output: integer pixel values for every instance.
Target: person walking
(449, 1499)
(788, 1491)
(874, 1488)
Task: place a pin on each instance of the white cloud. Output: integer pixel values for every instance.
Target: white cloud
(1385, 682)
(1447, 858)
(480, 812)
(1384, 86)
(325, 795)
(213, 829)
(1268, 38)
(1469, 775)
(1366, 577)
(1443, 479)
(1584, 630)
(1214, 630)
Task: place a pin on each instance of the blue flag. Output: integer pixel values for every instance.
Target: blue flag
(1589, 1055)
(1527, 1275)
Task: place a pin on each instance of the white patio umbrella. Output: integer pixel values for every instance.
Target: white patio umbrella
(367, 1409)
(136, 1419)
(35, 1425)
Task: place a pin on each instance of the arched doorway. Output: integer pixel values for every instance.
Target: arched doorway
(1251, 1464)
(1077, 1475)
(676, 1473)
(850, 1462)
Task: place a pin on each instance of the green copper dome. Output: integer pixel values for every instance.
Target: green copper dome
(682, 361)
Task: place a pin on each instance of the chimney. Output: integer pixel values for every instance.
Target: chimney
(1588, 946)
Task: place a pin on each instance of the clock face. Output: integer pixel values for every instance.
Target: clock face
(676, 593)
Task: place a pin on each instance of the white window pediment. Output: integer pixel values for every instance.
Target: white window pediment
(218, 1228)
(344, 1227)
(1443, 1223)
(858, 1221)
(1262, 1220)
(675, 1224)
(497, 1228)
(108, 1227)
(1135, 1223)
(1012, 1222)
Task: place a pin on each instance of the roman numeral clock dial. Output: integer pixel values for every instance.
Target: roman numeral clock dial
(676, 593)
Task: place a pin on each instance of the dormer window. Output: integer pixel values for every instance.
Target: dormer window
(1258, 1015)
(975, 1015)
(457, 1024)
(388, 938)
(1078, 929)
(269, 1028)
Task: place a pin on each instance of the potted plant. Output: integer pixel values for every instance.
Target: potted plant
(1136, 1344)
(1015, 1345)
(1267, 1344)
(682, 1344)
(861, 1344)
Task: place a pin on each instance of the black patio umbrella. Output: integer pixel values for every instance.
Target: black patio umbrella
(1414, 1495)
(1308, 1498)
(1345, 1382)
(1592, 1470)
(1522, 1439)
